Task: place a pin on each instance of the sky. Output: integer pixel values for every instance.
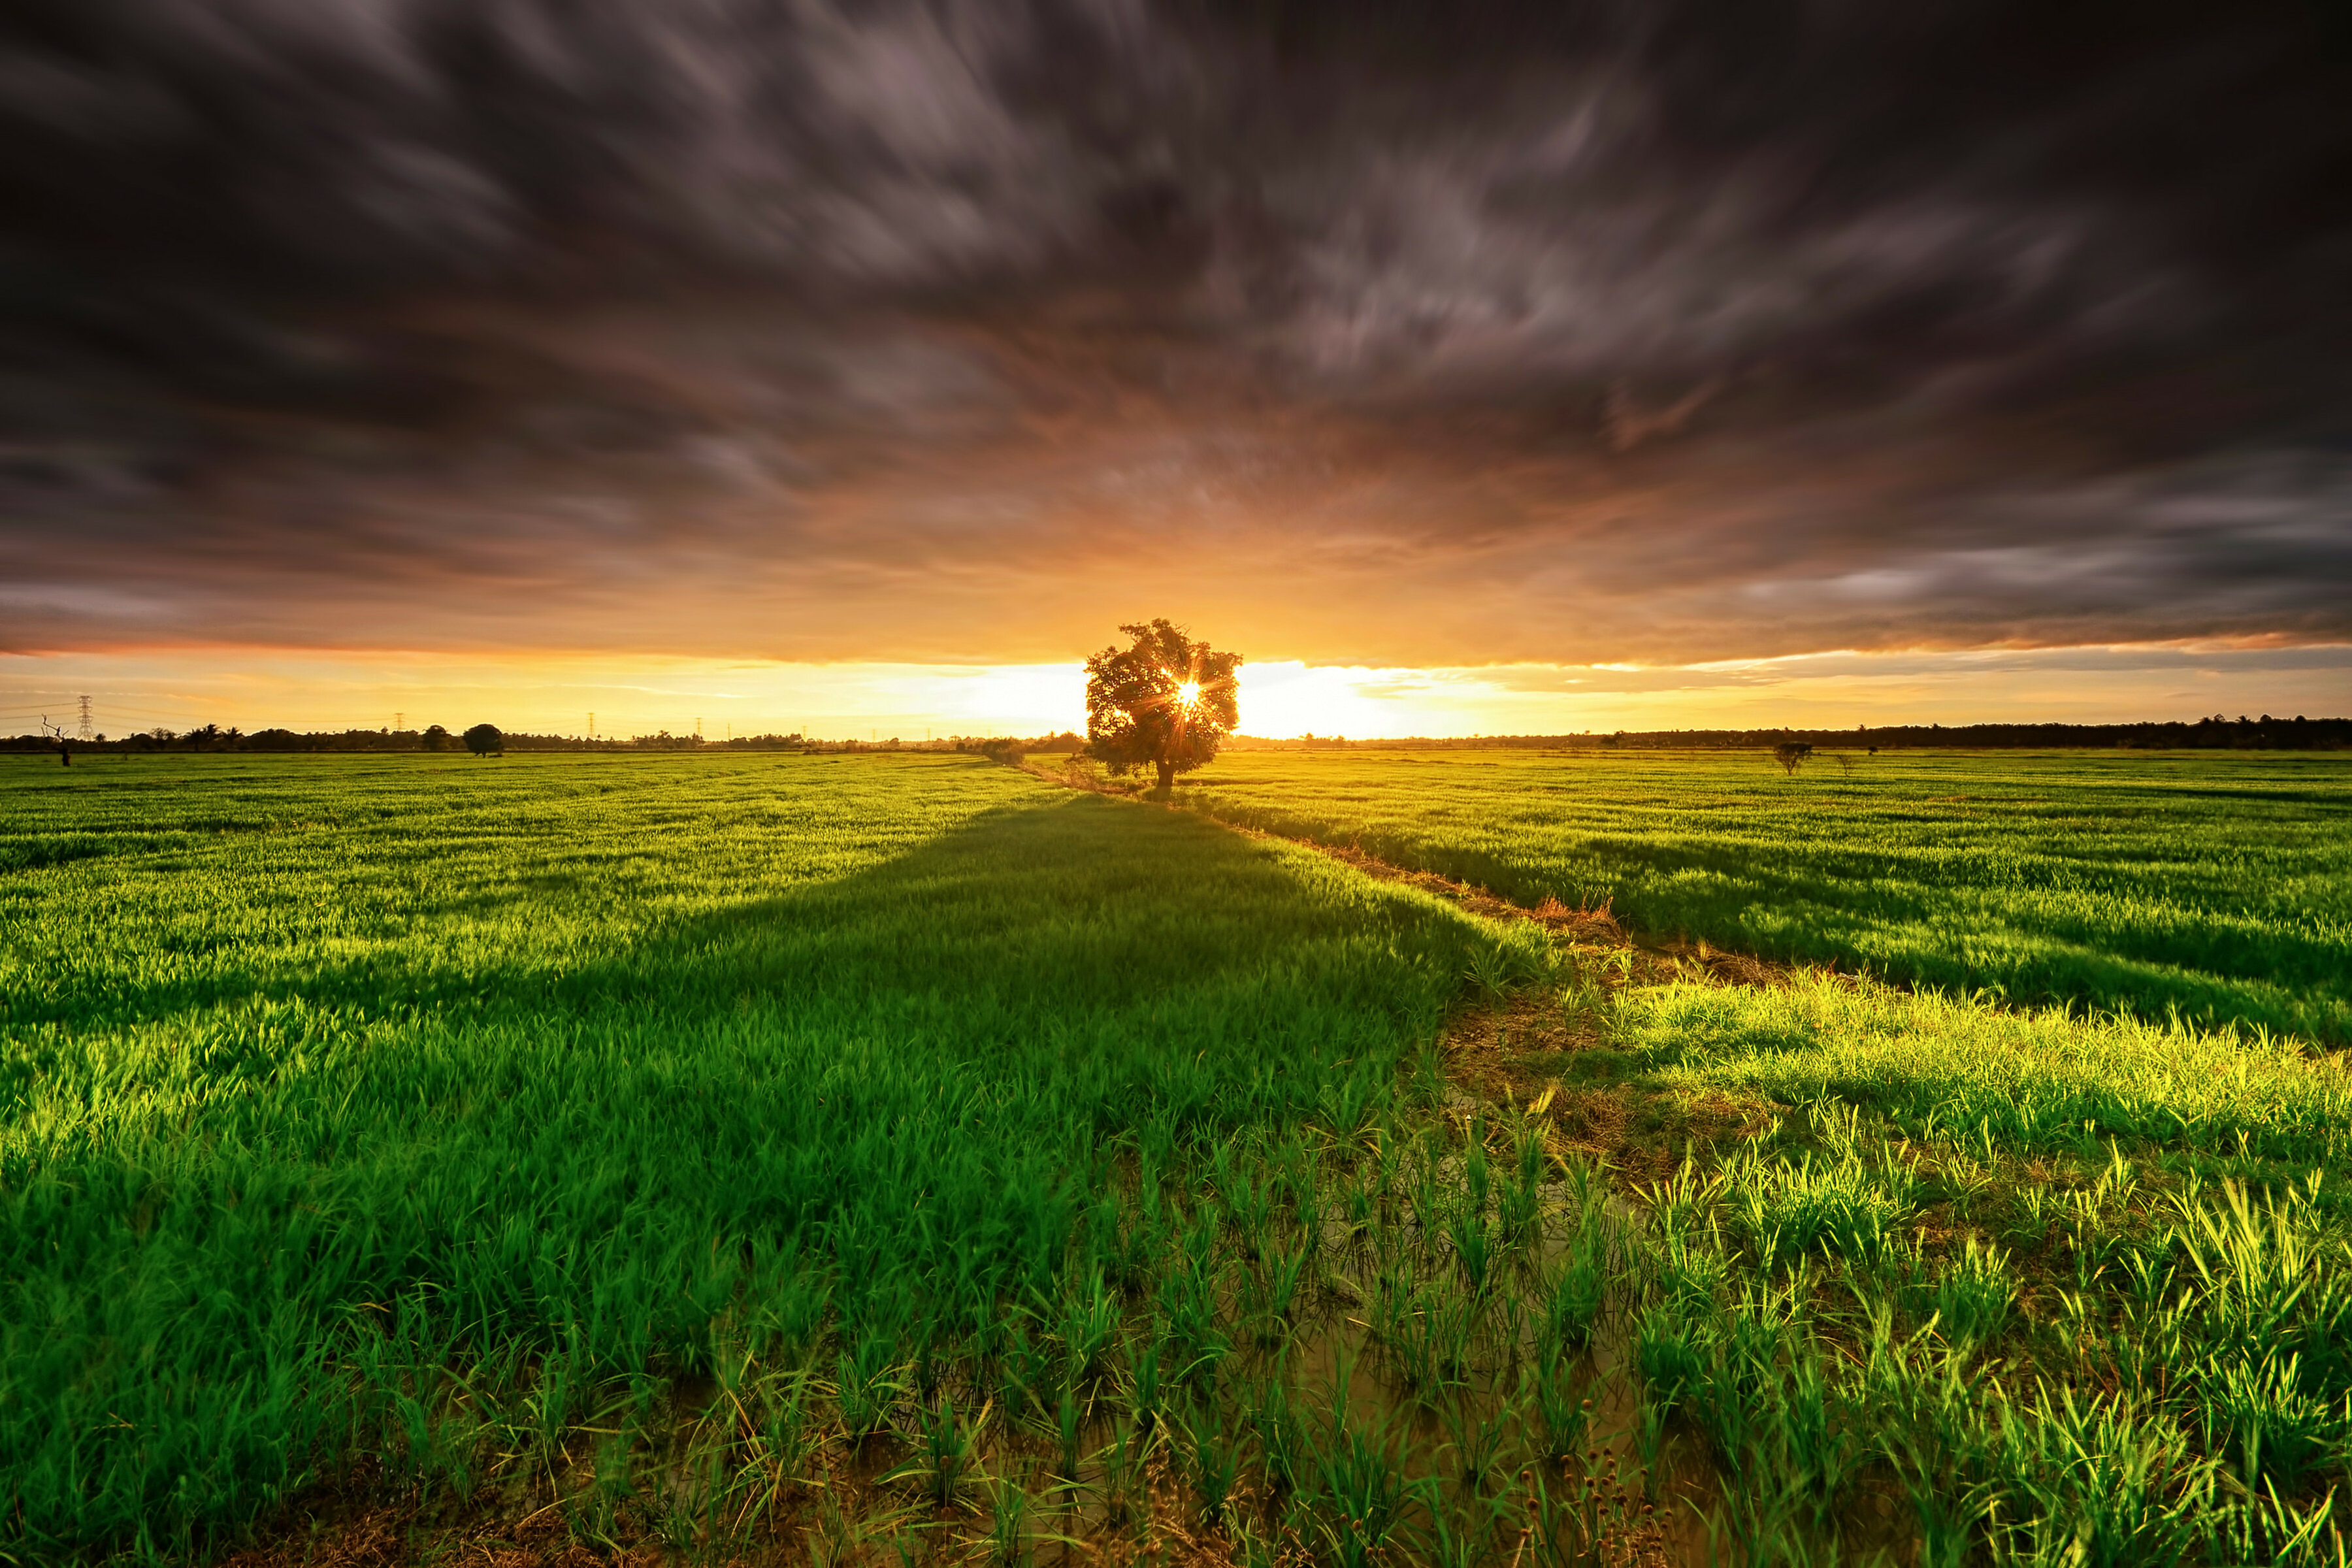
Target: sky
(1468, 367)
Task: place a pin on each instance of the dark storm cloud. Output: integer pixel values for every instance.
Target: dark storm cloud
(1371, 331)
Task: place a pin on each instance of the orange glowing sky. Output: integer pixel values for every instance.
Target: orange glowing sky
(1280, 699)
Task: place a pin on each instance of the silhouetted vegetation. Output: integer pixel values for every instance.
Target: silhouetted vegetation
(1164, 700)
(2216, 734)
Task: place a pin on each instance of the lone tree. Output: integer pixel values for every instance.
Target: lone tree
(1164, 700)
(484, 740)
(1791, 755)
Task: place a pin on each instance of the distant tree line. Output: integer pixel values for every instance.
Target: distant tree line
(436, 738)
(2215, 734)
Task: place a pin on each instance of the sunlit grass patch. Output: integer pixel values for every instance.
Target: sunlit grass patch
(1938, 1065)
(2217, 886)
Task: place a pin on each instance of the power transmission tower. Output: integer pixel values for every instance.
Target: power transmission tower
(698, 726)
(85, 732)
(591, 723)
(399, 722)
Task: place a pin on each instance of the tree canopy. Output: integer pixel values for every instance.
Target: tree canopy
(1165, 700)
(484, 740)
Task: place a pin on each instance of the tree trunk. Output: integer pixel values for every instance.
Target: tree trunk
(1167, 777)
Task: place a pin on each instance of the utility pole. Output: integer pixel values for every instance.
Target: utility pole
(85, 732)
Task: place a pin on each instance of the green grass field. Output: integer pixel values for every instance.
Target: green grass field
(900, 1159)
(2219, 884)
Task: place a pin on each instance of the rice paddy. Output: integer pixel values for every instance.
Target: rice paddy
(899, 1159)
(2216, 885)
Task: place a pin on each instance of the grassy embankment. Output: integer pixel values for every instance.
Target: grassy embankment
(888, 1157)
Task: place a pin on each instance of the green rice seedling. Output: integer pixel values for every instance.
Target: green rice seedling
(1089, 1328)
(2255, 1263)
(1361, 1490)
(1652, 1438)
(1069, 1430)
(1433, 1197)
(2261, 1529)
(870, 1385)
(1578, 1288)
(1971, 1296)
(1426, 1088)
(1213, 1459)
(1491, 970)
(1297, 1183)
(948, 1458)
(2034, 1209)
(1281, 1432)
(1464, 1538)
(1474, 1246)
(1145, 1394)
(1761, 1524)
(842, 1539)
(1929, 1429)
(1426, 1330)
(779, 1444)
(2151, 1347)
(1192, 1340)
(1564, 1411)
(1581, 992)
(1008, 1522)
(1024, 1367)
(1689, 1271)
(1815, 1445)
(596, 1517)
(1278, 1279)
(1347, 1106)
(1672, 1348)
(2261, 1415)
(1245, 1196)
(1683, 1207)
(2099, 1482)
(1478, 1440)
(1389, 1150)
(1358, 1205)
(1478, 1189)
(1834, 1204)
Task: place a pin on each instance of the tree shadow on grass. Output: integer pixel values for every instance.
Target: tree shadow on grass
(893, 1102)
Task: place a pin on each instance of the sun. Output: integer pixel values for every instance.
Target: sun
(1187, 693)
